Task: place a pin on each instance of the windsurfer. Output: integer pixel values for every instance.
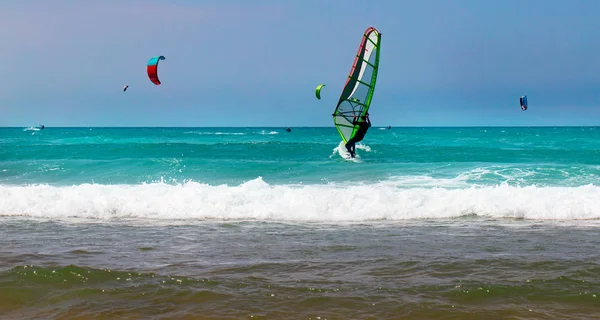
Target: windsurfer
(364, 123)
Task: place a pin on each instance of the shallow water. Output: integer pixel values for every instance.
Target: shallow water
(448, 269)
(258, 223)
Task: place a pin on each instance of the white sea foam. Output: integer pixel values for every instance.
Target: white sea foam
(342, 152)
(216, 133)
(258, 200)
(263, 132)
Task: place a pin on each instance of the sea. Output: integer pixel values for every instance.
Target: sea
(261, 223)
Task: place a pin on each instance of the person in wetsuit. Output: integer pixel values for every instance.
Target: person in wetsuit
(364, 123)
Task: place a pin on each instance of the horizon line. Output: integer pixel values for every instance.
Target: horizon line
(333, 126)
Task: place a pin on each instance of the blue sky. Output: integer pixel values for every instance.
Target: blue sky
(256, 63)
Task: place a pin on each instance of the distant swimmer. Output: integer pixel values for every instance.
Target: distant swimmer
(288, 130)
(125, 87)
(364, 123)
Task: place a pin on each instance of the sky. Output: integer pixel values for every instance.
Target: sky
(257, 63)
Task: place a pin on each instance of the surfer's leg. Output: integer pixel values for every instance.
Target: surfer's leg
(349, 145)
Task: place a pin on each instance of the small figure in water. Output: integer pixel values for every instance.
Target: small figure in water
(389, 127)
(41, 127)
(125, 87)
(364, 123)
(288, 130)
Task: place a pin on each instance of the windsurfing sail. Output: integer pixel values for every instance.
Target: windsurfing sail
(358, 92)
(153, 69)
(523, 102)
(318, 91)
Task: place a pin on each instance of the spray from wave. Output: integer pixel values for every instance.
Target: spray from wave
(258, 200)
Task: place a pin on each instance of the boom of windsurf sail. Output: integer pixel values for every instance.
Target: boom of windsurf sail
(358, 92)
(153, 69)
(523, 102)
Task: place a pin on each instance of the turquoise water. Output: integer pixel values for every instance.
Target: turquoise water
(408, 172)
(259, 223)
(478, 156)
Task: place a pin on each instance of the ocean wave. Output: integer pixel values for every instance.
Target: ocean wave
(217, 133)
(257, 200)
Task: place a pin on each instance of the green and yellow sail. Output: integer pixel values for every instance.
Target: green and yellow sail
(358, 92)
